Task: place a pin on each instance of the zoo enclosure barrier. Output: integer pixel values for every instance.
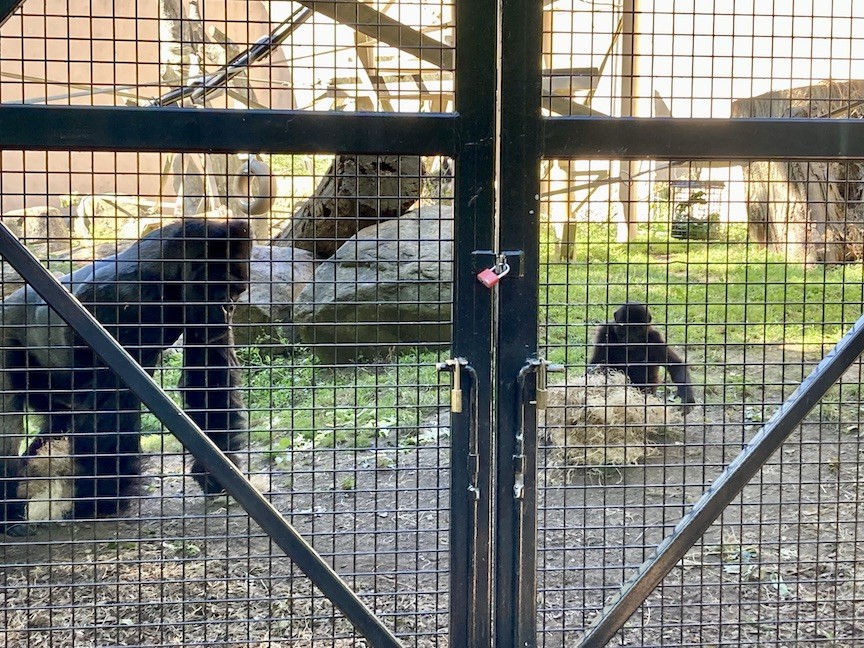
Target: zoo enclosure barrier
(501, 593)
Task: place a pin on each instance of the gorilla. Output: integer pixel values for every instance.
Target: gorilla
(631, 345)
(84, 460)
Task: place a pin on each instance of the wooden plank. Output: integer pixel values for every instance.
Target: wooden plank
(383, 28)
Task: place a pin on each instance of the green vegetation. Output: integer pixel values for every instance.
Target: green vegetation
(295, 403)
(354, 406)
(707, 293)
(300, 165)
(709, 297)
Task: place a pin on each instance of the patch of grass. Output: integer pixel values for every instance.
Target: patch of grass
(707, 293)
(296, 404)
(156, 439)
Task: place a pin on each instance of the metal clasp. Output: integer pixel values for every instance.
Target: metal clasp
(541, 391)
(541, 368)
(454, 366)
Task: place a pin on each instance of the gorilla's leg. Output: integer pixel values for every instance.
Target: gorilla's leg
(11, 435)
(106, 446)
(211, 385)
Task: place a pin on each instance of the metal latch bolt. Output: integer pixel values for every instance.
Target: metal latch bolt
(542, 368)
(542, 388)
(454, 366)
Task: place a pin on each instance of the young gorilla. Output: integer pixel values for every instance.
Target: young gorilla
(178, 280)
(631, 345)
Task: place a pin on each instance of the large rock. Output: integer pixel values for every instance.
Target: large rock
(113, 216)
(387, 287)
(263, 313)
(34, 225)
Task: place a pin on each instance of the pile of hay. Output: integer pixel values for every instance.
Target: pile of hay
(600, 419)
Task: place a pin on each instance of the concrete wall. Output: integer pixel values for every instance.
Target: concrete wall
(110, 56)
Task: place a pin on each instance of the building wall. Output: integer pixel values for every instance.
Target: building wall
(109, 57)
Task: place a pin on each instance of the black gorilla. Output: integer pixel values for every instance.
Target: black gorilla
(631, 345)
(178, 280)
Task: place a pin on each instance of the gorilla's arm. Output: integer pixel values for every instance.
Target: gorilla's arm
(602, 339)
(660, 354)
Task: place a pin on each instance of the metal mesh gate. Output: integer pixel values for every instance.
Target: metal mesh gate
(347, 432)
(340, 177)
(748, 269)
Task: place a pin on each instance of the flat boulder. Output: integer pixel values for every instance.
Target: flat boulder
(35, 225)
(263, 314)
(387, 287)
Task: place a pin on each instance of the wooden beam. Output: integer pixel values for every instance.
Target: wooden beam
(366, 20)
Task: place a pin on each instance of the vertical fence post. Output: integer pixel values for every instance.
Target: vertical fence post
(471, 470)
(518, 209)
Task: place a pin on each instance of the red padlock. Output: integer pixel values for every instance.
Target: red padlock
(488, 277)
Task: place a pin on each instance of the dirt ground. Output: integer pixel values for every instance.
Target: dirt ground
(785, 567)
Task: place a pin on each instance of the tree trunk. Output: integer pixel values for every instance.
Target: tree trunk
(177, 51)
(808, 210)
(356, 192)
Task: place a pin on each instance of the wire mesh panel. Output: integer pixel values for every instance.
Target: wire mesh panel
(751, 271)
(295, 305)
(621, 467)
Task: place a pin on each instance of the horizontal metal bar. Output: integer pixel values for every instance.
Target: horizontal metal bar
(725, 488)
(702, 139)
(193, 439)
(98, 128)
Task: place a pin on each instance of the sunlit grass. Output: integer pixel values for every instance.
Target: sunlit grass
(705, 292)
(708, 296)
(353, 406)
(295, 403)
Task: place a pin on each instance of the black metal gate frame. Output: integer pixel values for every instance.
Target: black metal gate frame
(498, 137)
(526, 131)
(466, 135)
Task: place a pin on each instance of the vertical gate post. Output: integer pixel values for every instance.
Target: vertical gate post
(471, 446)
(518, 209)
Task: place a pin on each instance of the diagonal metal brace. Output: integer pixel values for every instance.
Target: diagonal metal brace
(725, 488)
(7, 8)
(194, 440)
